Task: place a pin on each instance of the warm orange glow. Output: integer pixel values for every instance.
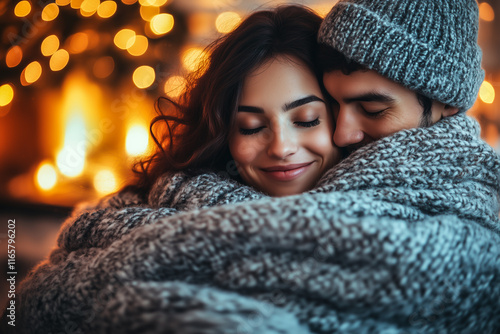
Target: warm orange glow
(90, 6)
(50, 45)
(227, 21)
(193, 58)
(107, 9)
(22, 8)
(14, 56)
(486, 12)
(125, 38)
(322, 9)
(50, 12)
(139, 47)
(31, 73)
(162, 23)
(103, 67)
(93, 38)
(137, 140)
(148, 12)
(63, 2)
(129, 2)
(174, 86)
(105, 182)
(78, 42)
(59, 60)
(46, 176)
(75, 4)
(71, 159)
(154, 3)
(487, 92)
(144, 76)
(6, 95)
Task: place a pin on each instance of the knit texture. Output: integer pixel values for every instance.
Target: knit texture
(401, 237)
(427, 46)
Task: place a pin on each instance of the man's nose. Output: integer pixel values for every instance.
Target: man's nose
(283, 143)
(348, 129)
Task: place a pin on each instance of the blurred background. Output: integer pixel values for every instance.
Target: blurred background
(78, 82)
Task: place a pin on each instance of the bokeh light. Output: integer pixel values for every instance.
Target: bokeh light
(103, 67)
(75, 4)
(193, 58)
(162, 23)
(50, 45)
(14, 56)
(59, 60)
(154, 3)
(487, 92)
(107, 9)
(31, 73)
(105, 182)
(6, 94)
(129, 2)
(22, 8)
(144, 76)
(175, 86)
(139, 47)
(124, 38)
(227, 21)
(63, 2)
(46, 176)
(77, 43)
(148, 12)
(50, 12)
(137, 139)
(486, 12)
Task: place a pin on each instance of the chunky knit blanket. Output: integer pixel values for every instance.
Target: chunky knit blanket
(401, 237)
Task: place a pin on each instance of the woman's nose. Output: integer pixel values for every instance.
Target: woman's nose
(282, 143)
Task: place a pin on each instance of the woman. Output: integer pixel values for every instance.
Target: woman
(257, 102)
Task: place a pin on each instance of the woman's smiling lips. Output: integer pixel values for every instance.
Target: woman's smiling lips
(286, 172)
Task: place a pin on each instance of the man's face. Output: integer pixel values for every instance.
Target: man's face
(368, 106)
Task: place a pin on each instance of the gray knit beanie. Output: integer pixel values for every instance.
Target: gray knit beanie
(428, 46)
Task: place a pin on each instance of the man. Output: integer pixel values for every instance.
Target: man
(394, 65)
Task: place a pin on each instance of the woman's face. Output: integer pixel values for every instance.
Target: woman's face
(282, 139)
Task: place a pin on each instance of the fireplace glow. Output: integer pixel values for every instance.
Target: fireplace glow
(137, 140)
(71, 159)
(46, 176)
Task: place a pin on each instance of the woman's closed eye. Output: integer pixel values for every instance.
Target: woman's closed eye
(308, 124)
(248, 132)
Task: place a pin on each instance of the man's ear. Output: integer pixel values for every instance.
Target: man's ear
(449, 111)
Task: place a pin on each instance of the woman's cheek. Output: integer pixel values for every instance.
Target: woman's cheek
(244, 149)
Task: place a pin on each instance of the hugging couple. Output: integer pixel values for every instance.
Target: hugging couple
(316, 176)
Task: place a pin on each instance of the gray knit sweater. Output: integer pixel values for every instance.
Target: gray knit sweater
(401, 237)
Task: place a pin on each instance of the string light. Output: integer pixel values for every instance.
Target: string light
(125, 38)
(6, 95)
(144, 76)
(486, 12)
(107, 9)
(162, 23)
(14, 56)
(22, 8)
(31, 73)
(50, 45)
(227, 21)
(59, 60)
(139, 47)
(174, 86)
(50, 12)
(487, 92)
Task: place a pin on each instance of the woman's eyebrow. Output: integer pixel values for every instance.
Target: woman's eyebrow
(300, 102)
(286, 106)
